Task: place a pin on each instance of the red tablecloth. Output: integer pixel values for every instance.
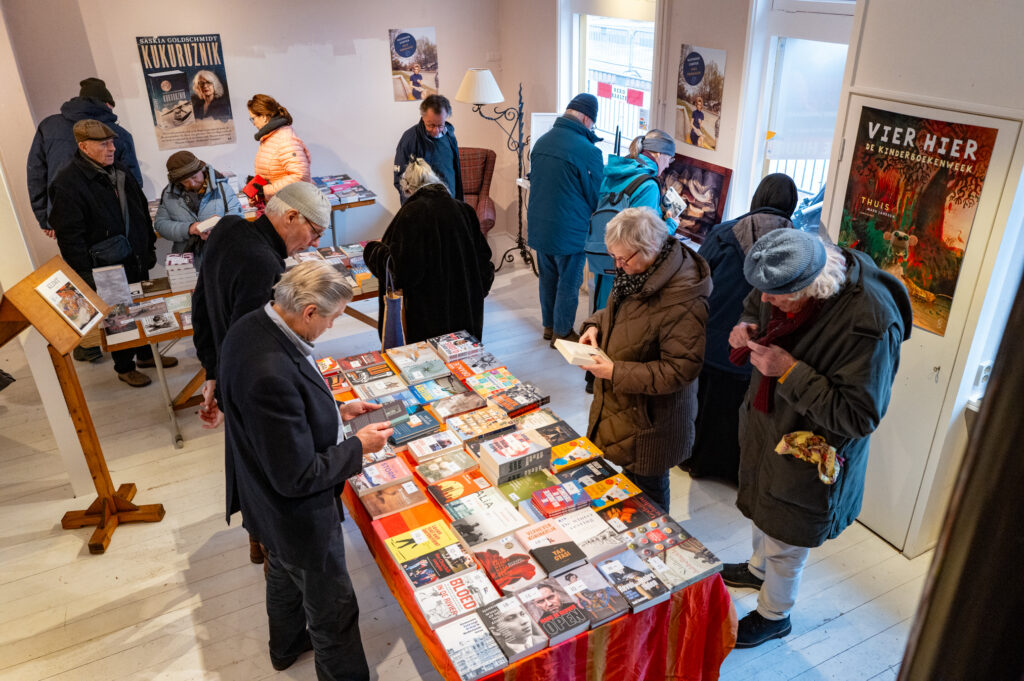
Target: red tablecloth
(685, 638)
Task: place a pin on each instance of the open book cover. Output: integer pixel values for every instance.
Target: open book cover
(69, 302)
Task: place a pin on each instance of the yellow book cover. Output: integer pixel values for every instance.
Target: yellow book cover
(573, 453)
(611, 491)
(420, 541)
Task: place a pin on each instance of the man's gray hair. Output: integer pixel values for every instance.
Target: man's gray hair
(638, 229)
(418, 174)
(314, 282)
(276, 207)
(831, 278)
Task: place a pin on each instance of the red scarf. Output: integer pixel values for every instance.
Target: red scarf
(782, 331)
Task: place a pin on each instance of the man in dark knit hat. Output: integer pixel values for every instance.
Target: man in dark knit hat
(565, 174)
(101, 218)
(822, 328)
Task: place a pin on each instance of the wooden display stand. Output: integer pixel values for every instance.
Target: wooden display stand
(22, 307)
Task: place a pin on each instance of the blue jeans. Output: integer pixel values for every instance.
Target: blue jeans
(654, 486)
(560, 279)
(305, 605)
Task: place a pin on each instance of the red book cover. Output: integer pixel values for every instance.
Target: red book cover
(328, 366)
(457, 487)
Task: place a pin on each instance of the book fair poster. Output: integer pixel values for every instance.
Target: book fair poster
(699, 95)
(910, 202)
(413, 63)
(187, 89)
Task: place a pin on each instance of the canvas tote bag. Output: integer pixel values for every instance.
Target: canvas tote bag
(393, 325)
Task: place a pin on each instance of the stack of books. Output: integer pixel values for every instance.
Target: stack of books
(417, 363)
(560, 499)
(181, 271)
(456, 346)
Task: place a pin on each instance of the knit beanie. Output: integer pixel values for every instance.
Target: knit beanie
(96, 89)
(784, 261)
(308, 200)
(586, 104)
(182, 164)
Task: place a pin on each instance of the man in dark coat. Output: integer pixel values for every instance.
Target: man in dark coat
(565, 175)
(439, 259)
(822, 329)
(286, 462)
(54, 143)
(716, 447)
(94, 199)
(432, 139)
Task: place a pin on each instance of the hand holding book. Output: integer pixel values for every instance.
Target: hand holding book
(374, 436)
(352, 409)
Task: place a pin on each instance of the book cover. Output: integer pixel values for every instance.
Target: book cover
(443, 601)
(159, 324)
(471, 503)
(508, 453)
(476, 424)
(592, 592)
(551, 547)
(407, 356)
(381, 474)
(553, 434)
(455, 346)
(328, 366)
(513, 628)
(379, 388)
(420, 541)
(437, 565)
(447, 407)
(407, 520)
(521, 489)
(681, 565)
(536, 419)
(122, 331)
(405, 397)
(418, 425)
(439, 388)
(508, 564)
(170, 95)
(432, 446)
(593, 535)
(573, 453)
(392, 413)
(471, 648)
(370, 458)
(361, 361)
(578, 354)
(554, 610)
(457, 487)
(369, 373)
(655, 536)
(337, 383)
(447, 465)
(463, 369)
(628, 573)
(518, 399)
(631, 513)
(588, 473)
(69, 302)
(112, 284)
(489, 523)
(427, 370)
(559, 499)
(491, 381)
(611, 491)
(186, 319)
(392, 499)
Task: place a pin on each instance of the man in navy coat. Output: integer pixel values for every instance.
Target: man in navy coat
(285, 465)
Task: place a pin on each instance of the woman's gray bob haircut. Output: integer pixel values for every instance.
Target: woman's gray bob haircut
(418, 174)
(314, 282)
(638, 229)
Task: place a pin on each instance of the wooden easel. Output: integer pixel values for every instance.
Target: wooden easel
(22, 307)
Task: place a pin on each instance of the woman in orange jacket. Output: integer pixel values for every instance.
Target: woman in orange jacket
(282, 157)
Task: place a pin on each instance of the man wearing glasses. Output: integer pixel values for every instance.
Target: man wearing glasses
(433, 140)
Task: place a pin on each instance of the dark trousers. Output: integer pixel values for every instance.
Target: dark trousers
(654, 486)
(560, 279)
(304, 605)
(124, 360)
(716, 446)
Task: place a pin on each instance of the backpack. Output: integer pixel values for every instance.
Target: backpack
(608, 206)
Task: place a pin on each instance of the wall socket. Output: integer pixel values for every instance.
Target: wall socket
(981, 377)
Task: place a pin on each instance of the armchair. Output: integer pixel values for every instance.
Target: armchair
(477, 168)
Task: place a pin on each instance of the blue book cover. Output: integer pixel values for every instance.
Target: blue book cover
(420, 424)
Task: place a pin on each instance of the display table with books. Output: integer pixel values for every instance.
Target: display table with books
(348, 260)
(509, 541)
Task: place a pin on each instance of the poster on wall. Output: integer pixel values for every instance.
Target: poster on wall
(699, 95)
(413, 63)
(910, 202)
(705, 187)
(187, 89)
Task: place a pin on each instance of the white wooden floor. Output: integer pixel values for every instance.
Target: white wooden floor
(179, 599)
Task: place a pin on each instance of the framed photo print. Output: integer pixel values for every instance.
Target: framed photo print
(705, 187)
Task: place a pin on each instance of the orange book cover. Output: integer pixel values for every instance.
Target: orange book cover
(407, 520)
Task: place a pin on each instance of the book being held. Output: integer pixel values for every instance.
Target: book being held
(578, 353)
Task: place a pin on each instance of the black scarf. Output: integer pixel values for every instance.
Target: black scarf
(272, 125)
(629, 284)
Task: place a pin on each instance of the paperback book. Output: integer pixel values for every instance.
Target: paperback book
(463, 369)
(480, 423)
(473, 503)
(508, 564)
(405, 398)
(513, 628)
(682, 565)
(391, 471)
(437, 565)
(447, 407)
(573, 453)
(378, 388)
(588, 473)
(631, 513)
(521, 489)
(328, 366)
(509, 455)
(536, 419)
(362, 361)
(432, 446)
(420, 541)
(471, 648)
(446, 466)
(518, 399)
(554, 610)
(551, 547)
(389, 412)
(628, 573)
(456, 346)
(439, 388)
(407, 520)
(457, 487)
(488, 382)
(407, 356)
(611, 491)
(392, 499)
(69, 302)
(578, 353)
(369, 373)
(443, 601)
(416, 426)
(591, 591)
(560, 499)
(593, 535)
(553, 434)
(370, 458)
(489, 523)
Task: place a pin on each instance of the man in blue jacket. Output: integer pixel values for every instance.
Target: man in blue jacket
(565, 174)
(432, 139)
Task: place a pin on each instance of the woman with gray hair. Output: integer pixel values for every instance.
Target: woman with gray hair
(645, 398)
(438, 257)
(209, 98)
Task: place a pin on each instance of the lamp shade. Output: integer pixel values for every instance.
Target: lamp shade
(479, 87)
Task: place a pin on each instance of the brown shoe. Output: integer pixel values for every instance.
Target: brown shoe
(548, 333)
(165, 362)
(572, 336)
(135, 379)
(255, 551)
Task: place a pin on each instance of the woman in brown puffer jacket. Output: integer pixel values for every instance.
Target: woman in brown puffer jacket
(653, 331)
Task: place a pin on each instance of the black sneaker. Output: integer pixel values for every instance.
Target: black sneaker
(280, 664)
(548, 333)
(739, 576)
(755, 630)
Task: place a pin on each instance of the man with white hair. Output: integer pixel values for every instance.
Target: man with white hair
(242, 261)
(822, 329)
(286, 461)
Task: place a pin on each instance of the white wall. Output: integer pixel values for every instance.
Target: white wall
(327, 62)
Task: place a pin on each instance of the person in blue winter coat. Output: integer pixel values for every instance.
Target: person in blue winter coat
(194, 192)
(433, 140)
(565, 173)
(54, 144)
(649, 156)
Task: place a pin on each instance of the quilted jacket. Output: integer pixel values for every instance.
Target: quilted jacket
(282, 159)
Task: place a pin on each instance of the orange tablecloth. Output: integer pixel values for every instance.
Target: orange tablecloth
(684, 638)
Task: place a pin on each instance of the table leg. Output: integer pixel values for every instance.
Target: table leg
(334, 228)
(168, 403)
(364, 318)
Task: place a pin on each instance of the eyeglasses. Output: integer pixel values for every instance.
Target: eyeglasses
(622, 262)
(317, 233)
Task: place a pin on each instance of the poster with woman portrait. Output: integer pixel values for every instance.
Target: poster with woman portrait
(699, 95)
(188, 90)
(413, 63)
(910, 202)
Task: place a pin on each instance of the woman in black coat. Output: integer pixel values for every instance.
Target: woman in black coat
(438, 256)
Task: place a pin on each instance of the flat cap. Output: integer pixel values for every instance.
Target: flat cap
(784, 261)
(91, 129)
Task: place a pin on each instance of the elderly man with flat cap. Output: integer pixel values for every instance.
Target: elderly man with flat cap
(101, 217)
(822, 328)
